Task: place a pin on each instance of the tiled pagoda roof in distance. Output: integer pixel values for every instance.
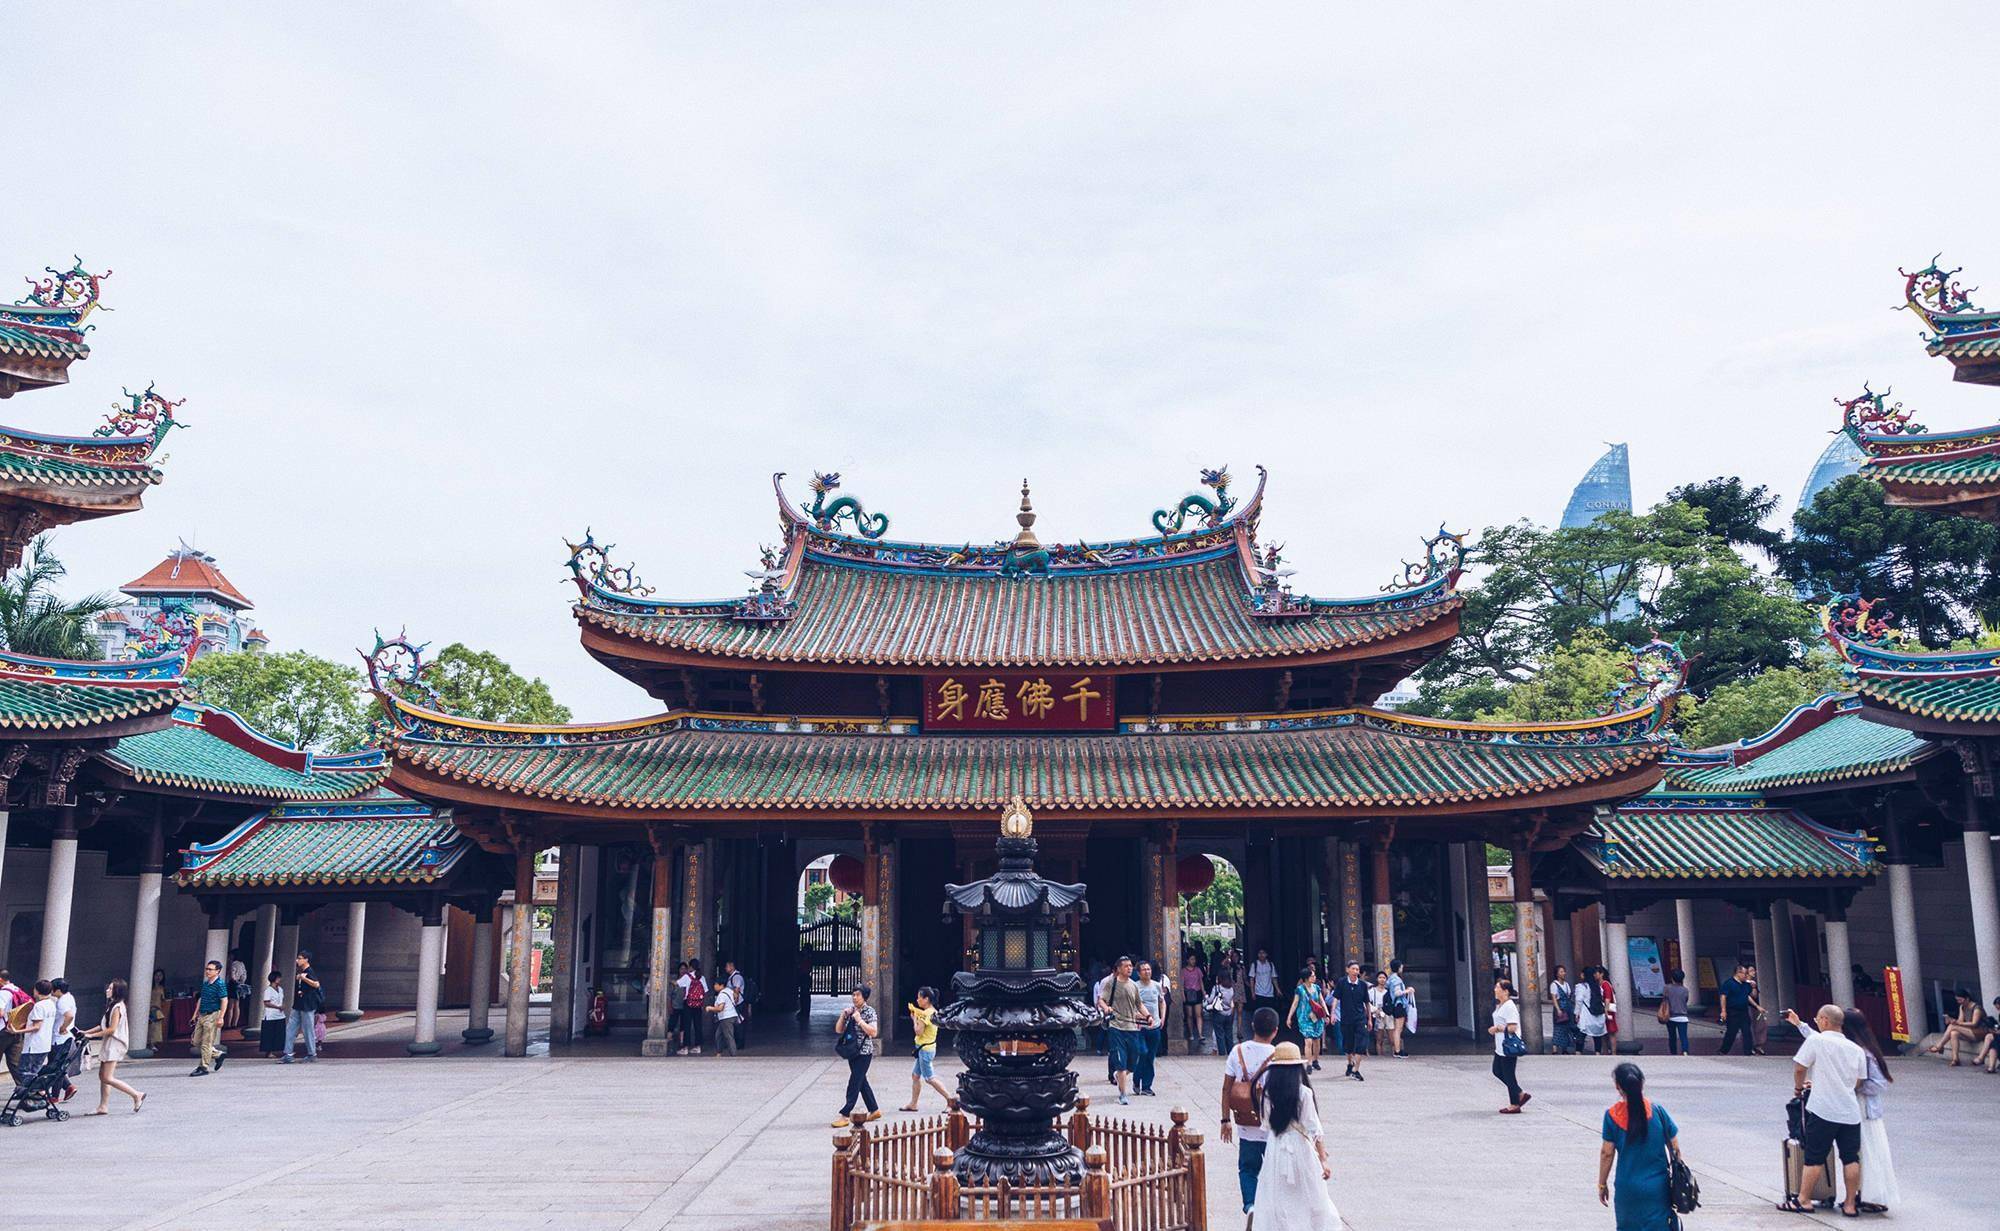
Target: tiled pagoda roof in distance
(1199, 592)
(42, 333)
(1942, 692)
(1350, 761)
(49, 698)
(1720, 837)
(212, 752)
(189, 573)
(1827, 741)
(381, 840)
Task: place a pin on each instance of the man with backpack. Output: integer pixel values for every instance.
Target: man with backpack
(1242, 1075)
(16, 1002)
(307, 999)
(743, 989)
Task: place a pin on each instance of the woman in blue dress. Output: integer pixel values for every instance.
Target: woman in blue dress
(1639, 1137)
(1305, 1013)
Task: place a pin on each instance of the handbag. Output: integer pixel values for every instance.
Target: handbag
(1683, 1190)
(1513, 1045)
(1663, 1011)
(848, 1045)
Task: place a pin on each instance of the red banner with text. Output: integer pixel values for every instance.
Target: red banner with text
(1899, 1009)
(1023, 701)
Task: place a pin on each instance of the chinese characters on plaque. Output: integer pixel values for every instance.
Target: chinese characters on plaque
(1008, 701)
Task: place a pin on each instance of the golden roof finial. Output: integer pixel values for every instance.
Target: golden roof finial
(1026, 539)
(1017, 821)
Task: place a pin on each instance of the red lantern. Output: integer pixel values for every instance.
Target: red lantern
(1194, 873)
(844, 874)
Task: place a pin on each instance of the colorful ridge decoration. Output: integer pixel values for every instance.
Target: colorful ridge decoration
(42, 333)
(77, 697)
(1674, 836)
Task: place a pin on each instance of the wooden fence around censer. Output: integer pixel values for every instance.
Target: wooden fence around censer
(1137, 1177)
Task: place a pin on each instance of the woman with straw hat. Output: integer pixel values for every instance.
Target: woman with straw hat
(1291, 1192)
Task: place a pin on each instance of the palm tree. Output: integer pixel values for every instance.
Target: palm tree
(35, 620)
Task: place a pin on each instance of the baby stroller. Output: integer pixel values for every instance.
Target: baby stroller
(43, 1092)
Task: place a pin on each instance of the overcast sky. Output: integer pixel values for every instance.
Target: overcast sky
(442, 283)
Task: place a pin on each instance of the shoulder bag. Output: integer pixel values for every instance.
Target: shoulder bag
(1512, 1044)
(1239, 1096)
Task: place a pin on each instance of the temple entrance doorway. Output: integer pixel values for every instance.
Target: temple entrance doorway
(1212, 910)
(829, 924)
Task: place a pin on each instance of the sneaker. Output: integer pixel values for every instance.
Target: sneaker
(221, 1058)
(199, 1072)
(1356, 1075)
(1123, 1101)
(284, 1059)
(841, 1122)
(682, 1052)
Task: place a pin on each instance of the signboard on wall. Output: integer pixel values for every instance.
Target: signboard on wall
(1648, 978)
(976, 701)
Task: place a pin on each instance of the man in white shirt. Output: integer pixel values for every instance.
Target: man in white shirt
(65, 1022)
(40, 1035)
(1263, 982)
(1246, 1063)
(1832, 1066)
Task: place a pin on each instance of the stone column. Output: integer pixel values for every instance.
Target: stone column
(1985, 908)
(1524, 945)
(430, 965)
(285, 960)
(61, 894)
(3, 838)
(257, 966)
(215, 947)
(1839, 958)
(1780, 984)
(562, 996)
(1760, 948)
(479, 1001)
(1684, 925)
(145, 935)
(522, 924)
(660, 975)
(350, 987)
(1618, 959)
(882, 893)
(1903, 923)
(1384, 907)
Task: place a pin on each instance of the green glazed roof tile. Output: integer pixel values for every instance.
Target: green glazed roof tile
(1357, 766)
(1844, 747)
(371, 843)
(1955, 698)
(1192, 612)
(1659, 837)
(51, 705)
(191, 758)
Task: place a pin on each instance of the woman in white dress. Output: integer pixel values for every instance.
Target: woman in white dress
(1291, 1190)
(1588, 998)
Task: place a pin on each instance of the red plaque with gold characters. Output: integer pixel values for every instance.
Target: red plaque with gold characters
(1899, 1009)
(976, 701)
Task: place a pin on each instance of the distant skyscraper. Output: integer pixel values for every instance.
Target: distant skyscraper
(1605, 488)
(1842, 458)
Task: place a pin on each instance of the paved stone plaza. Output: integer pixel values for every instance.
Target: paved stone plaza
(603, 1141)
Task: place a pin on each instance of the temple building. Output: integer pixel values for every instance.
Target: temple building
(1150, 698)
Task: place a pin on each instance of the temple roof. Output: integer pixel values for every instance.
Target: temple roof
(1826, 741)
(1958, 330)
(42, 334)
(188, 572)
(1182, 597)
(1940, 692)
(1948, 471)
(48, 481)
(58, 697)
(1668, 835)
(212, 752)
(383, 840)
(1352, 761)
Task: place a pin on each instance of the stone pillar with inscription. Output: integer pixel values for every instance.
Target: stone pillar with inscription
(1384, 906)
(878, 928)
(522, 927)
(1530, 991)
(1351, 931)
(697, 931)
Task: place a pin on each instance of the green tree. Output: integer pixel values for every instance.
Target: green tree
(1221, 901)
(1733, 513)
(1743, 708)
(1575, 681)
(479, 684)
(35, 620)
(818, 895)
(306, 700)
(1731, 620)
(1936, 572)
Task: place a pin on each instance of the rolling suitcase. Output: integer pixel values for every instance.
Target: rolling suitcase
(1795, 1170)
